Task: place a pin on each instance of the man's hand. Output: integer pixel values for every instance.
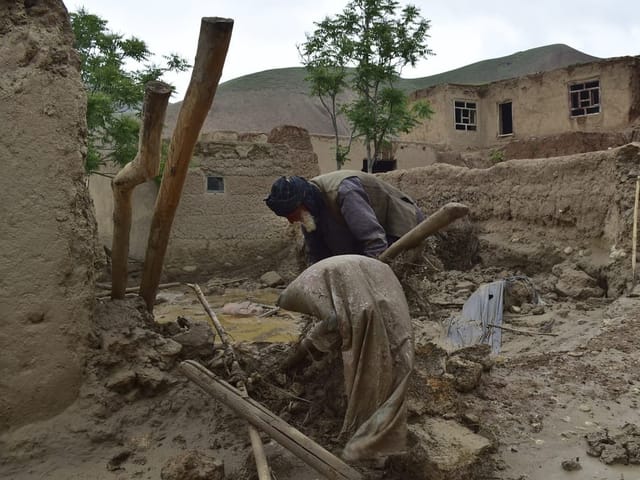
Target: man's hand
(302, 351)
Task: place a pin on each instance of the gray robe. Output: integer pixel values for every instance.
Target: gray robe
(362, 309)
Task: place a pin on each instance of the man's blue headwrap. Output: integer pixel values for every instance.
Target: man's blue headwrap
(288, 193)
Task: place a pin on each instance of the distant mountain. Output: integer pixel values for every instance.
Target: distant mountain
(263, 100)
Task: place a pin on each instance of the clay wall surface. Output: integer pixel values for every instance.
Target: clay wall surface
(143, 200)
(235, 229)
(407, 154)
(540, 105)
(588, 194)
(47, 241)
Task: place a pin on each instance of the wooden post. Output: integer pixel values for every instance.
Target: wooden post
(292, 439)
(262, 467)
(144, 167)
(634, 234)
(215, 34)
(440, 219)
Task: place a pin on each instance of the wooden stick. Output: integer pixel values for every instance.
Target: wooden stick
(106, 286)
(143, 167)
(523, 332)
(634, 239)
(292, 439)
(224, 337)
(440, 219)
(215, 35)
(256, 443)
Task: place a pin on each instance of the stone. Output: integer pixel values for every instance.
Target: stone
(193, 465)
(197, 341)
(168, 348)
(575, 283)
(443, 450)
(571, 464)
(271, 279)
(466, 373)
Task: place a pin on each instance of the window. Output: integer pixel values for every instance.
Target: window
(215, 184)
(584, 98)
(465, 115)
(505, 119)
(380, 165)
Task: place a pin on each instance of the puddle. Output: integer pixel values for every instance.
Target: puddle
(281, 328)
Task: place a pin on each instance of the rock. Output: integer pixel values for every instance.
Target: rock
(571, 465)
(271, 279)
(443, 450)
(168, 347)
(537, 310)
(193, 465)
(568, 251)
(197, 341)
(575, 283)
(466, 373)
(614, 454)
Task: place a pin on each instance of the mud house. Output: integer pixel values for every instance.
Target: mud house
(599, 100)
(222, 222)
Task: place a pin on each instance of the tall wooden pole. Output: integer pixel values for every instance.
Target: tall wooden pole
(215, 34)
(144, 167)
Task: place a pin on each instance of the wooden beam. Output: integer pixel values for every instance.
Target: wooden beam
(213, 43)
(143, 167)
(430, 225)
(292, 439)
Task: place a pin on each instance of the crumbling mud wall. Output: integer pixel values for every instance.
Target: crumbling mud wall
(583, 196)
(47, 239)
(233, 229)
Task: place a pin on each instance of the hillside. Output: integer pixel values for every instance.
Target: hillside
(263, 100)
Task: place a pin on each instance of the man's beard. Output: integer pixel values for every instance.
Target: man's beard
(307, 220)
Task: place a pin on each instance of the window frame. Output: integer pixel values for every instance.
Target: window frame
(472, 124)
(588, 95)
(220, 183)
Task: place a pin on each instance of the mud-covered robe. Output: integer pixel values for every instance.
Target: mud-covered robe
(362, 309)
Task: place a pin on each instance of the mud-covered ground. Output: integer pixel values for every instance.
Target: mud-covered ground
(560, 399)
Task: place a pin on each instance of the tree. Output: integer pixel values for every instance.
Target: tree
(364, 49)
(115, 91)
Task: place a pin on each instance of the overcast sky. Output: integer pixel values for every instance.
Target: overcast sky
(266, 32)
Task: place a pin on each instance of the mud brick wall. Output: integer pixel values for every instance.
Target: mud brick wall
(589, 193)
(234, 229)
(48, 233)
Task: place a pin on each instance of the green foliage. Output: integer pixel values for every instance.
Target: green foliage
(364, 49)
(496, 156)
(115, 91)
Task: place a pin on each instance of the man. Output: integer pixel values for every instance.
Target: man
(344, 212)
(360, 310)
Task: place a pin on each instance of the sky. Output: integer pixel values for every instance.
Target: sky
(266, 32)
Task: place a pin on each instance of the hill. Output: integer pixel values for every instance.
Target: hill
(263, 100)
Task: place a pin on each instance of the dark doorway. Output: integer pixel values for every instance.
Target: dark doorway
(505, 119)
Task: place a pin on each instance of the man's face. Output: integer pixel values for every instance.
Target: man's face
(302, 215)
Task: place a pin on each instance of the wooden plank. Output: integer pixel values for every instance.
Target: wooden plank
(292, 439)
